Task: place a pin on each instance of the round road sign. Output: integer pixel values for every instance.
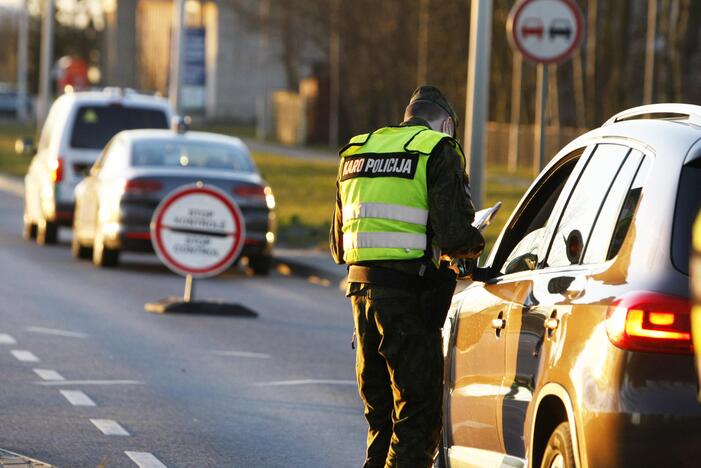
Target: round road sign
(545, 31)
(197, 230)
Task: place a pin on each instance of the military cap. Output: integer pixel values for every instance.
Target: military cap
(434, 95)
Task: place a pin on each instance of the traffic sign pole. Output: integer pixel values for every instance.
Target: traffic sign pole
(189, 292)
(477, 95)
(45, 64)
(540, 136)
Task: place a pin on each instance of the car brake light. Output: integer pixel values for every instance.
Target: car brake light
(250, 191)
(654, 322)
(57, 170)
(142, 186)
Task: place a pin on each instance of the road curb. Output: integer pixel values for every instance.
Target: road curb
(14, 460)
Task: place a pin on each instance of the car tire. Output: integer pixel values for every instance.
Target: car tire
(78, 250)
(260, 264)
(47, 232)
(102, 256)
(559, 452)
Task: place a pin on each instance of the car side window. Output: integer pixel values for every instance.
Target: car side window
(616, 213)
(574, 227)
(522, 245)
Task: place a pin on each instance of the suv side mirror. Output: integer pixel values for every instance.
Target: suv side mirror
(25, 146)
(525, 262)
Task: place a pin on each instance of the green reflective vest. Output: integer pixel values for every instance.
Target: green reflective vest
(382, 185)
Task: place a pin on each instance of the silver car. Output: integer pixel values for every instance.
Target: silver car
(137, 168)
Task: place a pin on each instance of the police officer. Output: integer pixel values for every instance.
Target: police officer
(402, 203)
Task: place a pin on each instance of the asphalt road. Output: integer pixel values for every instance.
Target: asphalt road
(80, 359)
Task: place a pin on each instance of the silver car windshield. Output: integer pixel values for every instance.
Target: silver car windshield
(192, 154)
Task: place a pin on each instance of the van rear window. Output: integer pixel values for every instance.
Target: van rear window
(94, 125)
(688, 206)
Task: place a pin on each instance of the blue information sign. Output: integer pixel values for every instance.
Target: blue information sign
(194, 69)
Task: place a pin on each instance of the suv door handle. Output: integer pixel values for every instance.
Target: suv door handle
(576, 287)
(551, 324)
(498, 323)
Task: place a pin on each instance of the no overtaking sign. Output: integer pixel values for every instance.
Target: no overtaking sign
(197, 230)
(546, 31)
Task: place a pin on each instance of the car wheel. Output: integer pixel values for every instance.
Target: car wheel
(103, 256)
(47, 232)
(559, 452)
(78, 250)
(260, 264)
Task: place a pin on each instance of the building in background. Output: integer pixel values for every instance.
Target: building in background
(238, 68)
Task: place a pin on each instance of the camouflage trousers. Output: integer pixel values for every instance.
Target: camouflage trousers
(399, 366)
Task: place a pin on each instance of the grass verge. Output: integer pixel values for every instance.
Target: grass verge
(11, 162)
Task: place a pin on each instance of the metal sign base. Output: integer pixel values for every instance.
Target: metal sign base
(187, 305)
(176, 305)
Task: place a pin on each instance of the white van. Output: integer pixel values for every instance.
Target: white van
(76, 130)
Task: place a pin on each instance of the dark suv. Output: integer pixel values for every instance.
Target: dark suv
(578, 352)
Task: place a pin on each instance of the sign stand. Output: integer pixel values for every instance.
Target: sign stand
(540, 128)
(189, 292)
(197, 231)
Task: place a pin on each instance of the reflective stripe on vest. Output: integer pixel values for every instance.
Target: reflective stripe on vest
(389, 211)
(384, 240)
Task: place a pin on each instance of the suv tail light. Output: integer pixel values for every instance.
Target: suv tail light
(57, 170)
(142, 186)
(653, 322)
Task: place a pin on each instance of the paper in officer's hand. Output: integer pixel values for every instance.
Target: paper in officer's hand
(484, 217)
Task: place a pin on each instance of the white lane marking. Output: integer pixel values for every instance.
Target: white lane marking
(242, 354)
(7, 339)
(109, 427)
(77, 398)
(48, 374)
(24, 355)
(145, 460)
(92, 382)
(56, 331)
(283, 383)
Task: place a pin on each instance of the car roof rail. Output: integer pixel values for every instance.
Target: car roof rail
(670, 111)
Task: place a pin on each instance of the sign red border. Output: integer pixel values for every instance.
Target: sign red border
(157, 228)
(513, 37)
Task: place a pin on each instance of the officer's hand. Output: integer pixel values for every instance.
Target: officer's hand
(463, 267)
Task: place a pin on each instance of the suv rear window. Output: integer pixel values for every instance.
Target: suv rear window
(95, 125)
(688, 205)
